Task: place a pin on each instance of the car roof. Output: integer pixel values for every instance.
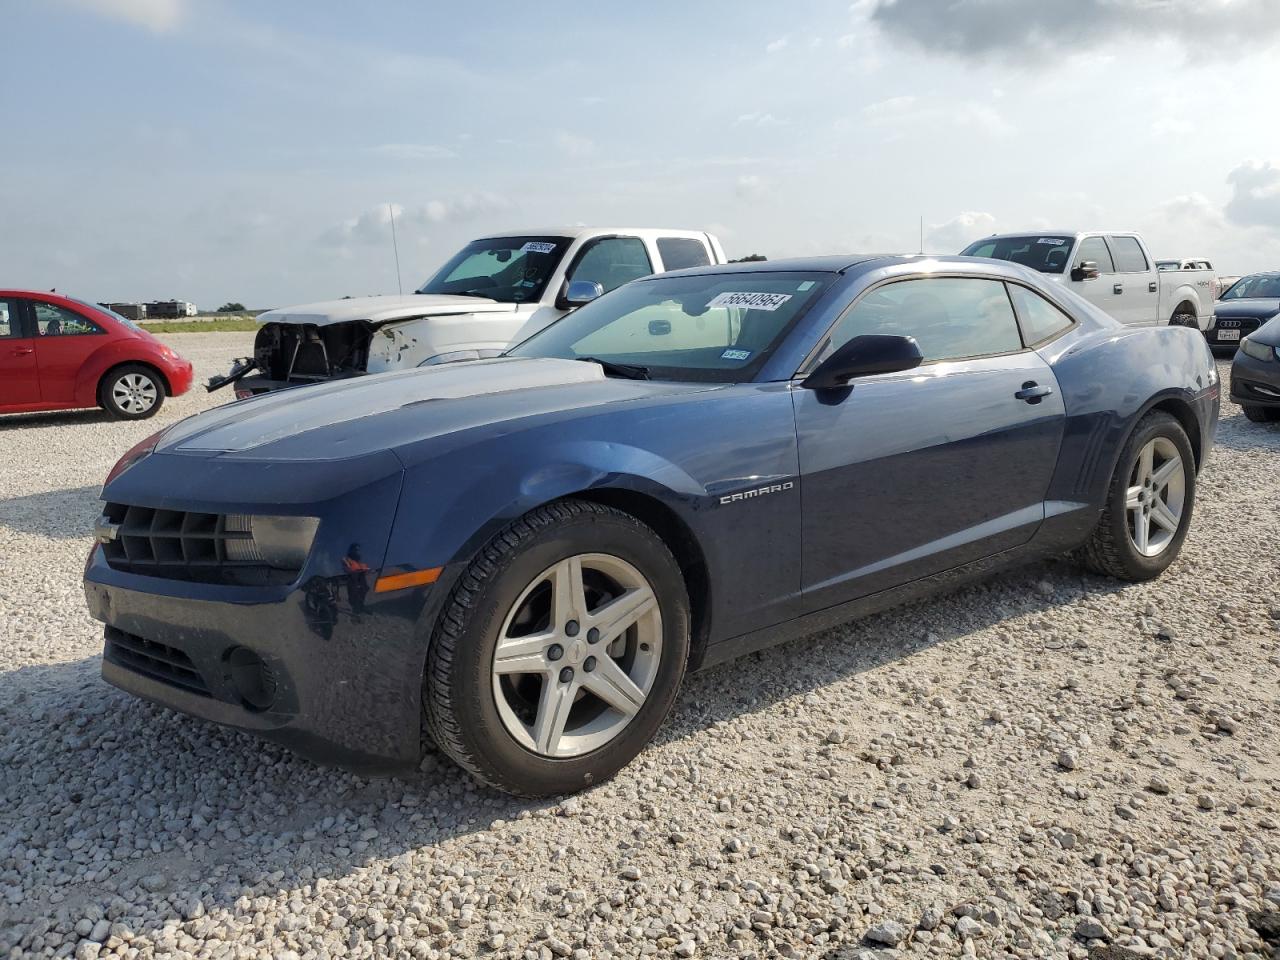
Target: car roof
(847, 262)
(582, 231)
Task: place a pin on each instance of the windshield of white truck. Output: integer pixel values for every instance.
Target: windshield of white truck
(506, 269)
(1047, 254)
(706, 327)
(1255, 288)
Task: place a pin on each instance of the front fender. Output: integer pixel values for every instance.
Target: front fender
(463, 516)
(109, 355)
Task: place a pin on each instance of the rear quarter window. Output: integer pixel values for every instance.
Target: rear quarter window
(1040, 319)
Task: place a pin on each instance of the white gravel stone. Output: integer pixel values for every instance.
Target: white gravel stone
(905, 766)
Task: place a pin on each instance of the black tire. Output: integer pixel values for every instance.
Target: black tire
(1185, 320)
(461, 710)
(120, 390)
(1110, 550)
(1261, 414)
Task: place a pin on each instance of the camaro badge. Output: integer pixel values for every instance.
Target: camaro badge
(758, 492)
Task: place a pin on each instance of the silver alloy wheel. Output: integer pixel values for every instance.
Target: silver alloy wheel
(134, 393)
(1156, 497)
(577, 655)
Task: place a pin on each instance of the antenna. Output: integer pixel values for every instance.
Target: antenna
(395, 246)
(922, 236)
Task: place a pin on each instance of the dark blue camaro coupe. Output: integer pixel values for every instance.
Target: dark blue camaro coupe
(523, 556)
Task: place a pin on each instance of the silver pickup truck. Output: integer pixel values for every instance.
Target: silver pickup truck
(1114, 271)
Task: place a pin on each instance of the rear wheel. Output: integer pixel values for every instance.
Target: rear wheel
(1149, 503)
(560, 651)
(1262, 414)
(1181, 319)
(131, 392)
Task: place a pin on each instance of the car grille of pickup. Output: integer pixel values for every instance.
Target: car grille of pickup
(166, 664)
(181, 545)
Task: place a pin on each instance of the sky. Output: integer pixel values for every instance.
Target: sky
(215, 150)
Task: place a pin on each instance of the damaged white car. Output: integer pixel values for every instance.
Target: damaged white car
(495, 291)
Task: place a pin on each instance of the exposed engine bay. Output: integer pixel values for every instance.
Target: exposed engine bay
(294, 354)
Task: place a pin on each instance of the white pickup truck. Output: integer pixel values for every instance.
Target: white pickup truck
(1114, 271)
(496, 290)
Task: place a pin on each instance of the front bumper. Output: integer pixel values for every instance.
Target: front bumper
(180, 376)
(252, 386)
(1255, 383)
(343, 665)
(1229, 331)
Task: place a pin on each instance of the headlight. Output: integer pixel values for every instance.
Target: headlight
(281, 542)
(137, 452)
(1259, 351)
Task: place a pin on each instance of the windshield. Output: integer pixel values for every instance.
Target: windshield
(506, 269)
(1048, 254)
(712, 327)
(1254, 288)
(108, 311)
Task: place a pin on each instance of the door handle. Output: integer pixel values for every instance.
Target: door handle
(1118, 289)
(23, 351)
(1032, 392)
(1152, 288)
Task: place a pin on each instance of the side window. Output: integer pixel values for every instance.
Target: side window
(680, 252)
(1040, 319)
(10, 319)
(985, 250)
(1095, 249)
(1129, 255)
(613, 261)
(55, 321)
(952, 318)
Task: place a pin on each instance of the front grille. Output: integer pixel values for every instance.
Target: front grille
(166, 664)
(181, 545)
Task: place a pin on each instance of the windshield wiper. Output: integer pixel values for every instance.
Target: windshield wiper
(630, 371)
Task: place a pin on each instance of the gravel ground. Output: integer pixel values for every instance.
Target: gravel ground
(1039, 766)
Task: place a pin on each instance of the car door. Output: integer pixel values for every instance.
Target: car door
(1101, 290)
(1135, 284)
(63, 341)
(19, 379)
(910, 474)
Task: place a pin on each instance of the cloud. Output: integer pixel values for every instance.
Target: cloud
(759, 120)
(374, 225)
(157, 15)
(777, 45)
(1255, 194)
(412, 151)
(749, 186)
(907, 114)
(957, 233)
(573, 145)
(1032, 32)
(893, 106)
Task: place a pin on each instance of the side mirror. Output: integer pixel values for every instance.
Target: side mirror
(862, 356)
(581, 292)
(1087, 270)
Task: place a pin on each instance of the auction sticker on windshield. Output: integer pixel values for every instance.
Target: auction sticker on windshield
(752, 301)
(538, 246)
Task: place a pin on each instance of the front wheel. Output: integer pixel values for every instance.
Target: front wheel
(1149, 503)
(131, 392)
(1258, 414)
(560, 651)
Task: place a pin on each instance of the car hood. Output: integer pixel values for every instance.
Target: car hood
(1246, 309)
(362, 415)
(1268, 333)
(383, 309)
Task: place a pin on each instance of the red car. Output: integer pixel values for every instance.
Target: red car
(59, 353)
